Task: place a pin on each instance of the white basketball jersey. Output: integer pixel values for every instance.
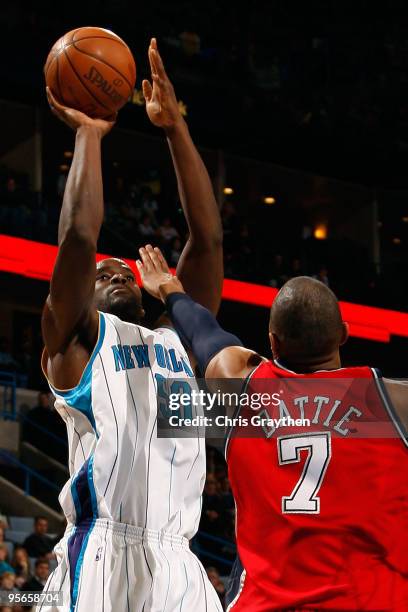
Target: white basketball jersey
(120, 470)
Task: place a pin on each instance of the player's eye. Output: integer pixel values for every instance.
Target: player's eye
(103, 277)
(130, 278)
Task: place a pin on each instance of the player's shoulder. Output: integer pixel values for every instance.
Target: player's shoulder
(169, 335)
(161, 334)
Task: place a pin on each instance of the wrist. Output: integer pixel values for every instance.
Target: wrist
(178, 127)
(89, 130)
(169, 287)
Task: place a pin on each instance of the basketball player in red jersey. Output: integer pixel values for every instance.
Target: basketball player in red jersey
(322, 509)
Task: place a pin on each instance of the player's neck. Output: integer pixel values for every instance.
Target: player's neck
(331, 362)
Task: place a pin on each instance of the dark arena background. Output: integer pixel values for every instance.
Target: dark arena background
(300, 112)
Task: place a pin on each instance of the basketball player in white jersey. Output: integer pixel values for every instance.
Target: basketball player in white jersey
(133, 500)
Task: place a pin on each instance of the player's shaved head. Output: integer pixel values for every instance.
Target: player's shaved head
(107, 260)
(306, 320)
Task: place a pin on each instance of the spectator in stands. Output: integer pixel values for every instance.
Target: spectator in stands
(278, 273)
(41, 416)
(211, 516)
(12, 195)
(4, 565)
(212, 456)
(227, 497)
(214, 578)
(322, 276)
(26, 356)
(149, 204)
(146, 229)
(7, 361)
(295, 268)
(166, 231)
(7, 583)
(21, 565)
(41, 573)
(175, 252)
(3, 525)
(39, 544)
(42, 419)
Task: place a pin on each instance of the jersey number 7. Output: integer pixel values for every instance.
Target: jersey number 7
(304, 499)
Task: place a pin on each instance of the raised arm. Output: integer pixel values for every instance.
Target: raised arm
(219, 354)
(68, 317)
(200, 267)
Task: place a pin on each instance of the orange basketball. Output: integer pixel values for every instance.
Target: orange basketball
(91, 70)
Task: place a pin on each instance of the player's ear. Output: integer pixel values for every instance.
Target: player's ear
(344, 333)
(275, 344)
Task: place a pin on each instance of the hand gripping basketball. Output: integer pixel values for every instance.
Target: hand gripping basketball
(75, 119)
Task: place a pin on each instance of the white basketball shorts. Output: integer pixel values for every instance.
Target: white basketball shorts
(113, 567)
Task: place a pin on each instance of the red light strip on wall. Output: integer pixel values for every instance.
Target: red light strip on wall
(36, 260)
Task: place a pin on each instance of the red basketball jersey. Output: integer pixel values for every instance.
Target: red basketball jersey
(322, 508)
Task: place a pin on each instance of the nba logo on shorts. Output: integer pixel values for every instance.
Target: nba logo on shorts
(98, 553)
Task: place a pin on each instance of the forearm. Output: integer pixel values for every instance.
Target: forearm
(200, 267)
(82, 209)
(73, 277)
(197, 327)
(195, 189)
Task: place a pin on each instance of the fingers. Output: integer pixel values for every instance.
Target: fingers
(152, 61)
(154, 257)
(147, 264)
(140, 268)
(152, 260)
(53, 102)
(161, 259)
(158, 63)
(147, 90)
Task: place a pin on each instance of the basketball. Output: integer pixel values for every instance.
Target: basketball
(92, 70)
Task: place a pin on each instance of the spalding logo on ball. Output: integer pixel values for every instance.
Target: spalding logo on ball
(91, 70)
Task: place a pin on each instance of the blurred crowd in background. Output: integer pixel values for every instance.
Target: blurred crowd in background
(319, 86)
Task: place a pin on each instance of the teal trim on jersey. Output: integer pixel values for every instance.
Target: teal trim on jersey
(80, 560)
(79, 567)
(92, 487)
(69, 539)
(75, 497)
(80, 397)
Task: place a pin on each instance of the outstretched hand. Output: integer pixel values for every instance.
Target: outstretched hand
(76, 119)
(155, 274)
(161, 102)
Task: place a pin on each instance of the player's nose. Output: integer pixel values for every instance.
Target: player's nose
(118, 279)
